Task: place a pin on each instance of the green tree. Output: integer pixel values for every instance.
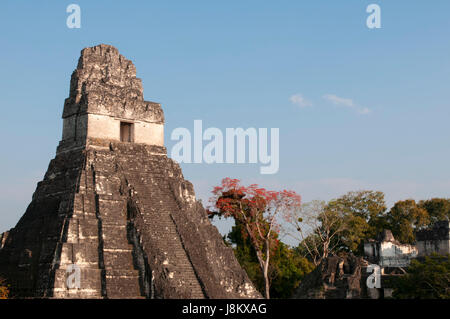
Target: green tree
(437, 208)
(363, 213)
(246, 255)
(365, 204)
(341, 224)
(256, 209)
(427, 279)
(404, 218)
(287, 267)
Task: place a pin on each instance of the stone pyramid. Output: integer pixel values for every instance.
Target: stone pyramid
(113, 205)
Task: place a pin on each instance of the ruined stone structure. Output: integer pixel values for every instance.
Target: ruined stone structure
(114, 206)
(337, 277)
(340, 277)
(386, 251)
(434, 240)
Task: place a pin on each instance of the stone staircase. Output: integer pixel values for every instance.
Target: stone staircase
(121, 278)
(80, 245)
(157, 206)
(151, 187)
(97, 237)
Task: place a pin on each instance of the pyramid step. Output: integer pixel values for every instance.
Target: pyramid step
(118, 259)
(115, 236)
(66, 282)
(80, 254)
(122, 287)
(112, 211)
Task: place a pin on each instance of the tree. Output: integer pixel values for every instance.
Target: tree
(246, 255)
(364, 213)
(365, 204)
(317, 228)
(287, 267)
(437, 208)
(341, 224)
(256, 209)
(355, 226)
(404, 218)
(4, 291)
(427, 279)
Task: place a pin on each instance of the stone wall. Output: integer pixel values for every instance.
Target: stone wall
(337, 277)
(108, 127)
(104, 91)
(434, 240)
(388, 252)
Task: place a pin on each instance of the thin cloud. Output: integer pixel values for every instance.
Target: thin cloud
(340, 101)
(299, 100)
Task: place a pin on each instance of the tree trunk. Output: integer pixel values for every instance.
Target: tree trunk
(266, 271)
(266, 281)
(325, 250)
(264, 265)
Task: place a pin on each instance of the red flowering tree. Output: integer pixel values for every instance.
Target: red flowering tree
(256, 209)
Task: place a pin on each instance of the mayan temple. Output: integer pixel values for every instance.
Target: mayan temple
(114, 206)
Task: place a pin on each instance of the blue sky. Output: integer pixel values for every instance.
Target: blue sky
(239, 64)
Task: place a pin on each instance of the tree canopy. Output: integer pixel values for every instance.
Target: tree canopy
(427, 279)
(323, 228)
(287, 267)
(255, 209)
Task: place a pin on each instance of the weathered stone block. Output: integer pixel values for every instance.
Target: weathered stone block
(88, 229)
(118, 259)
(90, 284)
(112, 211)
(115, 237)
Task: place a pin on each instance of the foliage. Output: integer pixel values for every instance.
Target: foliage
(289, 269)
(437, 208)
(256, 209)
(405, 218)
(317, 228)
(365, 204)
(427, 279)
(4, 291)
(341, 224)
(361, 212)
(246, 255)
(286, 270)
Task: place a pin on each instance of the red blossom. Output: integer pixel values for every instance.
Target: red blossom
(254, 207)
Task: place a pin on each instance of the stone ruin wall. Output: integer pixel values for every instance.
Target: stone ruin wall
(344, 277)
(434, 240)
(105, 91)
(99, 126)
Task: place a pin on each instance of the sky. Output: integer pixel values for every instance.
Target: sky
(356, 108)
